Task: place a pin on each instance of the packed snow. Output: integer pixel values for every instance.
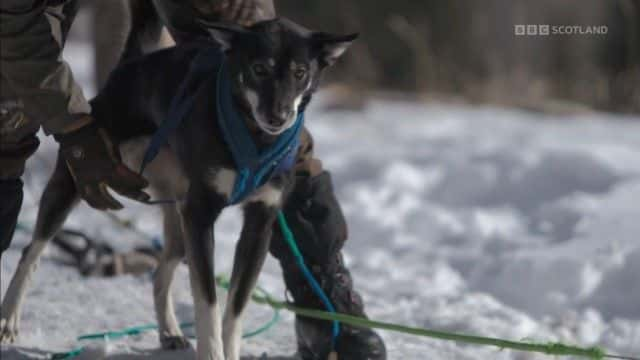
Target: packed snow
(479, 220)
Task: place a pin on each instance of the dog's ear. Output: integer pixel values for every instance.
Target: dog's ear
(223, 33)
(332, 46)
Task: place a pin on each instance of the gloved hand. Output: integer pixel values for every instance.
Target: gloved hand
(95, 164)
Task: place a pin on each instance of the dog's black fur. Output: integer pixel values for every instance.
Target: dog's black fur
(275, 67)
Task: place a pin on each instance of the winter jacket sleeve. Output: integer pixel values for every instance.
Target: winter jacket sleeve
(179, 15)
(31, 66)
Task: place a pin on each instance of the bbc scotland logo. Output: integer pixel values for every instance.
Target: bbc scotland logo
(548, 30)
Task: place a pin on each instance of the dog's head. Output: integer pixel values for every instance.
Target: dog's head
(275, 66)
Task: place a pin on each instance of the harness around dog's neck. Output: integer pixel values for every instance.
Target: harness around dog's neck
(254, 167)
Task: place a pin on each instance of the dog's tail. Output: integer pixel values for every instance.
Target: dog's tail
(123, 29)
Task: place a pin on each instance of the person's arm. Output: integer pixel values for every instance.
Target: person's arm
(32, 69)
(243, 12)
(33, 72)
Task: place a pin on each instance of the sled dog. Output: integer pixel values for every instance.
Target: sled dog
(271, 69)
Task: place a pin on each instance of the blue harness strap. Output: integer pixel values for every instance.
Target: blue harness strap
(254, 167)
(205, 60)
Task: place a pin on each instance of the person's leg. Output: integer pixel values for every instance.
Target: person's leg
(18, 142)
(316, 220)
(123, 30)
(181, 17)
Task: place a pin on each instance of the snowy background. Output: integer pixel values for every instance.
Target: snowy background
(479, 220)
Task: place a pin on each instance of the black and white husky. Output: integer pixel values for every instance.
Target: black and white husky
(274, 68)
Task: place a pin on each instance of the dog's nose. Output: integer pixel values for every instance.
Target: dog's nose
(283, 111)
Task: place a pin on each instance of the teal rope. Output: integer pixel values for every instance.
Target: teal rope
(68, 355)
(137, 330)
(22, 227)
(264, 328)
(291, 241)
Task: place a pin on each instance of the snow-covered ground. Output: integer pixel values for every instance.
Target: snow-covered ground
(479, 220)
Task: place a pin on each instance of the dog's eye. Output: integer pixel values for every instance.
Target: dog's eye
(260, 70)
(300, 73)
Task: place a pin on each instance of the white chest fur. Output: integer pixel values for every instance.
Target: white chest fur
(222, 181)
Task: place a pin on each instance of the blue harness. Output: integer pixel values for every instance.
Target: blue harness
(254, 168)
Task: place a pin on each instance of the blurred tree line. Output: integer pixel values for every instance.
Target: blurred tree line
(460, 48)
(469, 48)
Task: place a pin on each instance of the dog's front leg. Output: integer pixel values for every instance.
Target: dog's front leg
(259, 214)
(198, 215)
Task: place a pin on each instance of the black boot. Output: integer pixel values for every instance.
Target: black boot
(316, 220)
(11, 195)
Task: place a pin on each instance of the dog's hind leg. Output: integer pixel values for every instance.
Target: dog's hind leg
(58, 198)
(251, 251)
(198, 216)
(171, 337)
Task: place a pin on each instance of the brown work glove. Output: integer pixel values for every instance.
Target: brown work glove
(95, 164)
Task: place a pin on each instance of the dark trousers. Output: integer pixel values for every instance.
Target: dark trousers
(10, 203)
(15, 148)
(18, 141)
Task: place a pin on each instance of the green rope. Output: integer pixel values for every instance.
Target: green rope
(545, 348)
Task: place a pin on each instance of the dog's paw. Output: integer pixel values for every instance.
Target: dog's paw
(174, 343)
(8, 331)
